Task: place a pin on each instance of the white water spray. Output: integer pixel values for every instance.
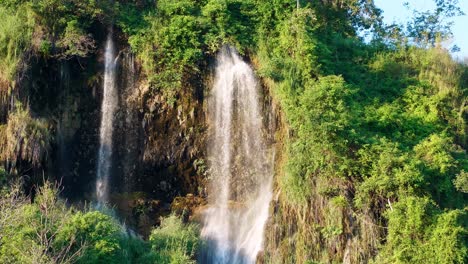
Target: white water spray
(109, 106)
(240, 165)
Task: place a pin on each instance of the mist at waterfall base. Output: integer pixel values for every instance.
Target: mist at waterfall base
(109, 106)
(240, 165)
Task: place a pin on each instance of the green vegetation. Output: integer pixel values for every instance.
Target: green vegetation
(379, 129)
(174, 242)
(386, 137)
(175, 35)
(24, 138)
(15, 37)
(48, 231)
(374, 134)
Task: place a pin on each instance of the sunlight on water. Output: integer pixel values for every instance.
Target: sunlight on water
(240, 165)
(109, 105)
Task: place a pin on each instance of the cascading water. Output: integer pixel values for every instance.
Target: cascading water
(63, 157)
(130, 126)
(240, 165)
(109, 106)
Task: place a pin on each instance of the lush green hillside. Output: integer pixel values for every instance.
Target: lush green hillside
(372, 137)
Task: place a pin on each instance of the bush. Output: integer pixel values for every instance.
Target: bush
(28, 230)
(96, 234)
(175, 243)
(419, 233)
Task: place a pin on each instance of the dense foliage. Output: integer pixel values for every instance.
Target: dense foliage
(373, 166)
(46, 230)
(376, 133)
(15, 37)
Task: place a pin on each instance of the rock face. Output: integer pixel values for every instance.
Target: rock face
(173, 146)
(158, 143)
(66, 93)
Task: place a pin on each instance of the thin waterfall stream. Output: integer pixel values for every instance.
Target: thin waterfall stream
(240, 163)
(109, 106)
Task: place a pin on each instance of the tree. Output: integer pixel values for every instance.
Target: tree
(428, 27)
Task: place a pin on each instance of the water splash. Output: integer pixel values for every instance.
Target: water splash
(109, 106)
(240, 164)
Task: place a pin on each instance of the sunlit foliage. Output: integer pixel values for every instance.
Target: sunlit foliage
(373, 135)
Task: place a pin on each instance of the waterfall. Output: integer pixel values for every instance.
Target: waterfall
(108, 108)
(130, 126)
(240, 165)
(63, 122)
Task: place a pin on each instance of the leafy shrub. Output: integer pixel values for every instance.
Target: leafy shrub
(173, 242)
(97, 232)
(419, 233)
(28, 230)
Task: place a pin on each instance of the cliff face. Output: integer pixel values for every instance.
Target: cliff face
(64, 93)
(158, 145)
(174, 144)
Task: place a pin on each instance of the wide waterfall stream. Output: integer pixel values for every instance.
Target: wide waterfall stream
(240, 164)
(109, 106)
